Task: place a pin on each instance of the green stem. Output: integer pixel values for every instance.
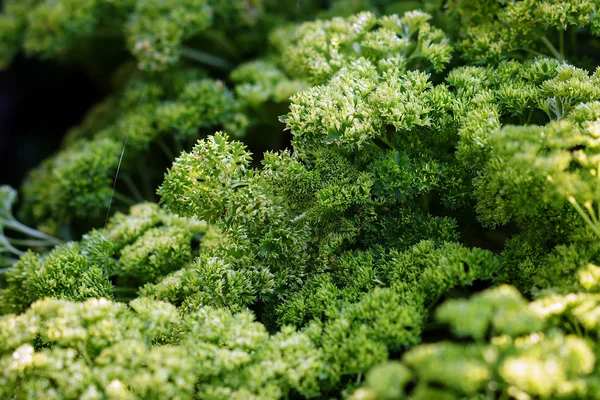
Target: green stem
(573, 42)
(146, 186)
(434, 325)
(299, 218)
(590, 209)
(5, 245)
(124, 199)
(359, 379)
(30, 242)
(552, 49)
(84, 354)
(529, 117)
(105, 33)
(223, 43)
(132, 188)
(125, 290)
(535, 53)
(561, 43)
(387, 142)
(434, 302)
(584, 215)
(374, 145)
(598, 189)
(17, 226)
(576, 328)
(7, 262)
(165, 149)
(13, 387)
(205, 58)
(190, 142)
(178, 142)
(124, 299)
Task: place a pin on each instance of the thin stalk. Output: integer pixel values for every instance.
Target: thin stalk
(552, 49)
(178, 141)
(584, 215)
(561, 43)
(434, 302)
(299, 218)
(590, 209)
(205, 58)
(105, 33)
(132, 188)
(125, 290)
(573, 42)
(239, 184)
(146, 186)
(529, 117)
(4, 243)
(191, 141)
(374, 145)
(574, 326)
(84, 354)
(535, 53)
(13, 387)
(434, 325)
(165, 149)
(30, 242)
(124, 299)
(17, 226)
(219, 38)
(8, 262)
(387, 142)
(125, 199)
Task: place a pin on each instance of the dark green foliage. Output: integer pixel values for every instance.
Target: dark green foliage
(154, 30)
(68, 272)
(492, 30)
(418, 141)
(149, 118)
(143, 246)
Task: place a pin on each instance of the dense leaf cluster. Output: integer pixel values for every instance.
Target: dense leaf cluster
(429, 161)
(140, 247)
(99, 349)
(511, 348)
(149, 118)
(154, 30)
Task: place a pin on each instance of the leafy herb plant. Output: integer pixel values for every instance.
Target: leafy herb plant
(426, 225)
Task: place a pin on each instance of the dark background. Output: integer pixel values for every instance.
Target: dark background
(39, 102)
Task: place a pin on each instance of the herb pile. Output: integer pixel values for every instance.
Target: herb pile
(432, 231)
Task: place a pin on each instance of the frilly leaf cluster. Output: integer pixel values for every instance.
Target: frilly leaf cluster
(510, 347)
(135, 248)
(415, 144)
(154, 30)
(289, 237)
(490, 30)
(134, 132)
(101, 349)
(319, 49)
